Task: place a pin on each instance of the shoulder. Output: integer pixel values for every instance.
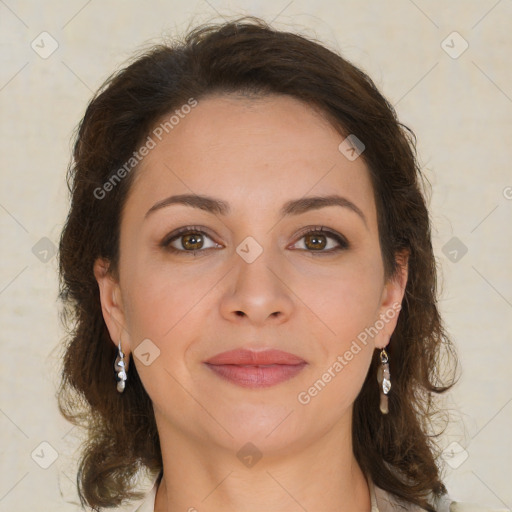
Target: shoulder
(464, 506)
(386, 502)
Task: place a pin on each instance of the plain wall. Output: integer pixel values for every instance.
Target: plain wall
(459, 106)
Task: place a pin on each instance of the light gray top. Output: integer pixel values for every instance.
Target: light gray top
(381, 501)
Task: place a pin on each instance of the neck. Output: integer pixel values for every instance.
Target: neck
(320, 476)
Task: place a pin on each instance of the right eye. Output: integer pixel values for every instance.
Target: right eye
(189, 239)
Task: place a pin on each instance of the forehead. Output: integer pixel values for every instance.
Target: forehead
(251, 152)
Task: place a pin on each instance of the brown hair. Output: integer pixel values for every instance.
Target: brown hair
(246, 56)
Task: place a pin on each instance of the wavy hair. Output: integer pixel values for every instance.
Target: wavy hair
(247, 56)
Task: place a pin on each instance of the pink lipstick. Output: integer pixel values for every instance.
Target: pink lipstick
(251, 369)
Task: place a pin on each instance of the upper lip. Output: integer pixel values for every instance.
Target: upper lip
(251, 357)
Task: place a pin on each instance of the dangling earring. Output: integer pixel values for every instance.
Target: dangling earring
(384, 381)
(120, 368)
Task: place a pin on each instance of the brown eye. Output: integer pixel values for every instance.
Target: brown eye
(316, 241)
(187, 240)
(193, 241)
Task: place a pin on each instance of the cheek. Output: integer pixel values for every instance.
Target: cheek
(343, 300)
(347, 305)
(352, 303)
(161, 296)
(167, 307)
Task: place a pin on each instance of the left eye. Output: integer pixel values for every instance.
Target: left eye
(316, 238)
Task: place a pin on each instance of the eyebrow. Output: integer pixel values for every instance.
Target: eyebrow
(292, 207)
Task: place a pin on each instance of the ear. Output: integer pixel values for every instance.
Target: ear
(391, 301)
(112, 305)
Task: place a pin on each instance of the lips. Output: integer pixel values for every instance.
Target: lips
(250, 357)
(252, 369)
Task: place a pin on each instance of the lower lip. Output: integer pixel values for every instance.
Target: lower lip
(257, 376)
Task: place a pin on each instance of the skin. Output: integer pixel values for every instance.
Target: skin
(255, 154)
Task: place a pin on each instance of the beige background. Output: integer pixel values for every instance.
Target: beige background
(460, 109)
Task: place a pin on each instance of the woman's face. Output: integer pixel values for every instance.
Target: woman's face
(251, 277)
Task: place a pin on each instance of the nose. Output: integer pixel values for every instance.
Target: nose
(258, 292)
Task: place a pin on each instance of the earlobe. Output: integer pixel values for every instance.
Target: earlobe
(111, 303)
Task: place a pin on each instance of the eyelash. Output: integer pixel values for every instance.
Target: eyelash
(342, 241)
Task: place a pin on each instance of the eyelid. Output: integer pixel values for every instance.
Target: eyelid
(183, 231)
(329, 233)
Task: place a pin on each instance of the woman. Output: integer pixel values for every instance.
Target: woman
(248, 265)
